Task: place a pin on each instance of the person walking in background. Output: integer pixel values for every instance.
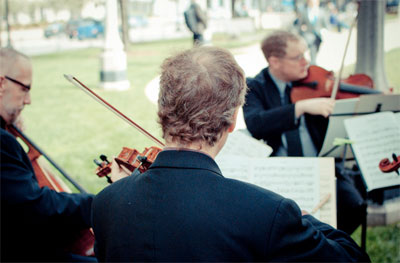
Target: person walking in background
(310, 21)
(196, 21)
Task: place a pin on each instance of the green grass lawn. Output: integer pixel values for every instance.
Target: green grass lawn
(74, 129)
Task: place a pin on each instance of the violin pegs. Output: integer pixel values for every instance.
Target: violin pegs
(142, 159)
(395, 157)
(109, 179)
(104, 158)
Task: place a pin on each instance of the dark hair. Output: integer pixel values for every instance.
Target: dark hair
(275, 44)
(200, 89)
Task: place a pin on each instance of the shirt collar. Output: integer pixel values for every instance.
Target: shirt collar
(279, 83)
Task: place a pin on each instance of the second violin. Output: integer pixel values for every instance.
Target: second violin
(320, 82)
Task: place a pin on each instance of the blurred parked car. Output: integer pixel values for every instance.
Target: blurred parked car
(137, 21)
(84, 28)
(392, 6)
(54, 30)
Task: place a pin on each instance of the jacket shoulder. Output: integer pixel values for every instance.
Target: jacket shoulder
(258, 80)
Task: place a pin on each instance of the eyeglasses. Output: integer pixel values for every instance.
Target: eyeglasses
(28, 87)
(296, 58)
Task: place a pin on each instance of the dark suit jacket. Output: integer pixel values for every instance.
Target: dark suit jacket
(267, 119)
(36, 222)
(183, 209)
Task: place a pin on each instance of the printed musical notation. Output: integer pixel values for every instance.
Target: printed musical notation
(375, 136)
(305, 180)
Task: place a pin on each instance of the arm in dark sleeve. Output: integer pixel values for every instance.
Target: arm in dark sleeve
(201, 16)
(263, 116)
(20, 189)
(304, 238)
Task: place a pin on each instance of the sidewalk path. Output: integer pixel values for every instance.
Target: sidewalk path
(329, 57)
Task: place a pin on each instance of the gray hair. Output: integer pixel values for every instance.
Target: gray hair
(200, 89)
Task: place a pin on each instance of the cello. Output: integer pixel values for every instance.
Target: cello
(83, 240)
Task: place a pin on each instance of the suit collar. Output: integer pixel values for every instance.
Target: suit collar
(273, 90)
(185, 159)
(3, 123)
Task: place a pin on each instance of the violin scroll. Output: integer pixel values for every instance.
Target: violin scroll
(131, 159)
(386, 166)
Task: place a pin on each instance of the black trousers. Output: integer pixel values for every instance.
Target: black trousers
(351, 202)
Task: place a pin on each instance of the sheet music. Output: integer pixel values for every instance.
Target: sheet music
(241, 143)
(305, 180)
(375, 137)
(328, 186)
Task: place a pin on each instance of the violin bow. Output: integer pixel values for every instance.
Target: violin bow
(337, 80)
(99, 99)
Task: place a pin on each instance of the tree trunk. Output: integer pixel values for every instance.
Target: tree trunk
(370, 46)
(124, 23)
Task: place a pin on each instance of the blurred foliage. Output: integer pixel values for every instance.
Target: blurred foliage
(382, 242)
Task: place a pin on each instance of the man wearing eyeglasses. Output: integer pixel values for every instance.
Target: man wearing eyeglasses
(35, 222)
(294, 129)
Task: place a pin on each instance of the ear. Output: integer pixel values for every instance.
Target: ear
(272, 61)
(234, 117)
(2, 84)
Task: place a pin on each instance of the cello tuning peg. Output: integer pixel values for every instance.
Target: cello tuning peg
(104, 158)
(394, 157)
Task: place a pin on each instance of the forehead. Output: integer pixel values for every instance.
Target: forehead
(22, 68)
(296, 47)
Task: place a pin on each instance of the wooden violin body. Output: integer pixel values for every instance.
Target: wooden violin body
(319, 83)
(131, 159)
(83, 240)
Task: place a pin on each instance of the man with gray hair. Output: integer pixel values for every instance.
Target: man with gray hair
(182, 208)
(37, 223)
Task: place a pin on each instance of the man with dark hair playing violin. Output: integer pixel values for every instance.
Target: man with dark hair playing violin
(295, 129)
(182, 208)
(36, 222)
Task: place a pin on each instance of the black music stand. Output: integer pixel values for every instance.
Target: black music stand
(349, 108)
(369, 104)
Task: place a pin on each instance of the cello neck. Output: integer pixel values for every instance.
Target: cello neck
(39, 152)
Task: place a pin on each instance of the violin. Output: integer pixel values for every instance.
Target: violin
(83, 240)
(135, 161)
(131, 159)
(387, 166)
(320, 83)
